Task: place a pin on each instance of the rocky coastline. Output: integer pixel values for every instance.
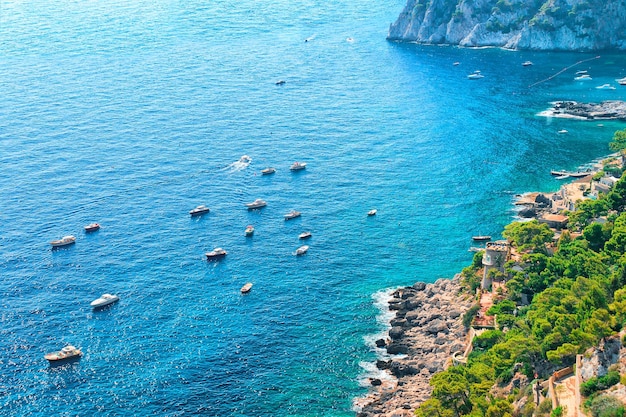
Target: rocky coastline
(425, 332)
(606, 110)
(555, 25)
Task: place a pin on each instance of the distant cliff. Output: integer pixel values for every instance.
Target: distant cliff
(557, 25)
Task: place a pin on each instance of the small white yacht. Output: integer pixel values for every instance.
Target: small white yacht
(258, 203)
(605, 87)
(68, 353)
(562, 132)
(217, 253)
(298, 166)
(268, 171)
(583, 77)
(65, 241)
(292, 215)
(302, 250)
(527, 63)
(475, 75)
(104, 300)
(304, 235)
(621, 81)
(198, 211)
(372, 212)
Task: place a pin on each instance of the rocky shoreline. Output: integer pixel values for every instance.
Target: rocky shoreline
(426, 330)
(606, 110)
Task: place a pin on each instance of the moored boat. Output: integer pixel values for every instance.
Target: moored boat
(481, 238)
(372, 212)
(298, 166)
(258, 203)
(302, 250)
(202, 209)
(268, 171)
(292, 215)
(65, 241)
(217, 253)
(246, 288)
(304, 235)
(621, 81)
(527, 63)
(68, 353)
(475, 75)
(92, 227)
(104, 300)
(249, 230)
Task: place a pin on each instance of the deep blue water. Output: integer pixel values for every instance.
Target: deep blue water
(132, 113)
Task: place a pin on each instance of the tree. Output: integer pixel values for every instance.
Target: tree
(619, 141)
(451, 388)
(529, 235)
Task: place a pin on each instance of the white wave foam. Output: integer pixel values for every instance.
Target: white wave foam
(239, 165)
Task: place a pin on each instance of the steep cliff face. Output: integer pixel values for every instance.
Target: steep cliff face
(568, 25)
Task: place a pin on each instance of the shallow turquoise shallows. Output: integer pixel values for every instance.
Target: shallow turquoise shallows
(132, 113)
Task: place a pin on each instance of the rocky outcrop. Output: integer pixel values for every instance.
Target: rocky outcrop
(606, 110)
(426, 331)
(570, 25)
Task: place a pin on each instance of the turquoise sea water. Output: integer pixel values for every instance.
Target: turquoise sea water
(132, 113)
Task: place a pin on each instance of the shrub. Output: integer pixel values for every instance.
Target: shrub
(599, 384)
(607, 406)
(557, 412)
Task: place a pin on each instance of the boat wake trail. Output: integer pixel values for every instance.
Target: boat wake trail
(239, 165)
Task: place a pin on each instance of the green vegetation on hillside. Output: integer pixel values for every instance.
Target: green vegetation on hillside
(562, 298)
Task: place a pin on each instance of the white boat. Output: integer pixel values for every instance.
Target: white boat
(562, 132)
(268, 171)
(104, 300)
(372, 212)
(245, 159)
(92, 227)
(302, 250)
(475, 75)
(304, 235)
(583, 77)
(621, 81)
(67, 353)
(249, 230)
(199, 210)
(605, 87)
(258, 203)
(455, 63)
(216, 253)
(246, 288)
(527, 63)
(481, 238)
(65, 241)
(298, 166)
(292, 215)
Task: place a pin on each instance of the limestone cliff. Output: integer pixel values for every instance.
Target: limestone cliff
(566, 25)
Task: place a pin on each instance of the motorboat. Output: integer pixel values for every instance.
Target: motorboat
(562, 132)
(475, 75)
(268, 171)
(200, 210)
(605, 87)
(246, 288)
(455, 63)
(583, 77)
(302, 250)
(621, 81)
(298, 166)
(65, 241)
(92, 227)
(372, 212)
(217, 253)
(245, 159)
(280, 82)
(258, 203)
(105, 300)
(527, 63)
(249, 230)
(480, 238)
(292, 215)
(66, 354)
(304, 235)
